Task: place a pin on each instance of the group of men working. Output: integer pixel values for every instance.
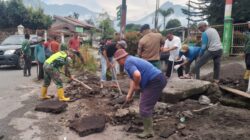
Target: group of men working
(144, 72)
(50, 56)
(151, 45)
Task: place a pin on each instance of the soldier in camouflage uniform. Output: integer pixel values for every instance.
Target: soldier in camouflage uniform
(51, 72)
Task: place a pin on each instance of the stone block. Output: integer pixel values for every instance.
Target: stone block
(181, 89)
(88, 125)
(51, 106)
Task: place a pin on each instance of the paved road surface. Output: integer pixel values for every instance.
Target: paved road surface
(17, 97)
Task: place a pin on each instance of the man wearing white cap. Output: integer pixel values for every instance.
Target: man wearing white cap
(211, 49)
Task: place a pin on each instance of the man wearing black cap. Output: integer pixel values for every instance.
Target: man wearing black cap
(149, 46)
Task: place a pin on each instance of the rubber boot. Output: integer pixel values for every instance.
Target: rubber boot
(44, 93)
(61, 97)
(148, 131)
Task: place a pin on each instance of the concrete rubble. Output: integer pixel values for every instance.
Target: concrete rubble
(88, 125)
(185, 119)
(51, 106)
(181, 89)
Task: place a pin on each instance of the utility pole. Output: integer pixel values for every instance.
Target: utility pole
(123, 19)
(228, 25)
(188, 26)
(156, 13)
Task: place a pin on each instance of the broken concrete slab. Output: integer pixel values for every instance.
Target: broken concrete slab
(160, 108)
(180, 89)
(51, 106)
(88, 125)
(167, 132)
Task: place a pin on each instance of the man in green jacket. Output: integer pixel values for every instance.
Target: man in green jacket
(26, 55)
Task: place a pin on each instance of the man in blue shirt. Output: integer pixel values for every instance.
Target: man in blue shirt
(149, 79)
(191, 54)
(40, 58)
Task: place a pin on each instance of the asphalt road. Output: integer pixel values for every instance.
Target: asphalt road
(17, 98)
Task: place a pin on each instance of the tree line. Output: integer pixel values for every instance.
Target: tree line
(213, 11)
(14, 13)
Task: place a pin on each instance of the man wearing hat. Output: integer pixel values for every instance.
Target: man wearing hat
(40, 57)
(211, 49)
(191, 54)
(149, 46)
(149, 80)
(121, 44)
(51, 72)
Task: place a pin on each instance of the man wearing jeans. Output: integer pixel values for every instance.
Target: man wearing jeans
(211, 49)
(108, 50)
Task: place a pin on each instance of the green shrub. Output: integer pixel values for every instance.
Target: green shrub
(132, 39)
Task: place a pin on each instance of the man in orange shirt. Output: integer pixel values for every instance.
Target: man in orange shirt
(74, 46)
(54, 46)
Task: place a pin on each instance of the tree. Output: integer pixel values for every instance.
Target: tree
(90, 21)
(107, 28)
(165, 14)
(133, 27)
(14, 13)
(37, 19)
(76, 15)
(3, 15)
(173, 23)
(213, 10)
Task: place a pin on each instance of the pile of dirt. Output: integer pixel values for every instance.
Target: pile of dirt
(218, 122)
(230, 75)
(184, 120)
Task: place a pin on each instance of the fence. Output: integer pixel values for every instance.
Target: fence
(238, 38)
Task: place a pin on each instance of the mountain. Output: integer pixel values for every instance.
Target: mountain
(85, 13)
(62, 10)
(176, 15)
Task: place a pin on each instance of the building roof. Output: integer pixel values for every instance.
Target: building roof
(74, 22)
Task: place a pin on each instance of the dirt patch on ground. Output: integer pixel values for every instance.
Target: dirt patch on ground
(230, 75)
(185, 120)
(218, 122)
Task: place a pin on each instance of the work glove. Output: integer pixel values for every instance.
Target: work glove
(176, 67)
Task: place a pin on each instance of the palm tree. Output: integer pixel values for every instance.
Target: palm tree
(165, 14)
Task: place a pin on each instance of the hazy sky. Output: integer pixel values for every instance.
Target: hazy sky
(136, 8)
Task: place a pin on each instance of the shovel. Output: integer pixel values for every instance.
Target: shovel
(76, 80)
(117, 83)
(84, 85)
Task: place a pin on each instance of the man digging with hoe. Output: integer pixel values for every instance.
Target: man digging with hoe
(150, 80)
